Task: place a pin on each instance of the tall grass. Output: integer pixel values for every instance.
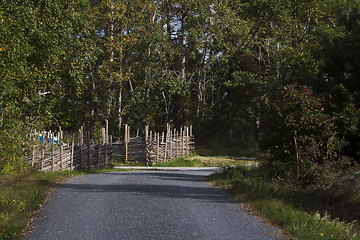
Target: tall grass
(287, 205)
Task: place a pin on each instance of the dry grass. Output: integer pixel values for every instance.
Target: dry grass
(220, 161)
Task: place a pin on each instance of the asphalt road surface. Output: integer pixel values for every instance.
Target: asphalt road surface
(145, 205)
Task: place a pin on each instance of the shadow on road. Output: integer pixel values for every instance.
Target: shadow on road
(157, 184)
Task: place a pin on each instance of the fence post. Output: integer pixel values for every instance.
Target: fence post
(126, 142)
(157, 147)
(170, 150)
(146, 145)
(165, 149)
(106, 141)
(182, 142)
(72, 154)
(150, 147)
(52, 154)
(111, 149)
(42, 154)
(61, 150)
(88, 149)
(187, 140)
(177, 144)
(81, 142)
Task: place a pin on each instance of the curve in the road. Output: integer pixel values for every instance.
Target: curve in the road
(145, 205)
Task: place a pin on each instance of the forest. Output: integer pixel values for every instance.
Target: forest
(280, 75)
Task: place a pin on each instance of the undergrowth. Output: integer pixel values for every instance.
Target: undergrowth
(304, 213)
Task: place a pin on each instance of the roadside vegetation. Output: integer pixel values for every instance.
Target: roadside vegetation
(304, 213)
(122, 162)
(200, 161)
(23, 194)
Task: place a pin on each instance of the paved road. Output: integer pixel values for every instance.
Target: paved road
(144, 205)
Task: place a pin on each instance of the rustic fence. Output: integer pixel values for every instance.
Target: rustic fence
(57, 153)
(164, 146)
(52, 152)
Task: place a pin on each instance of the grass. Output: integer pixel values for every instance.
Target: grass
(304, 214)
(199, 161)
(22, 195)
(122, 162)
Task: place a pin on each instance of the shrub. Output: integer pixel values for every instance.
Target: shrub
(13, 141)
(298, 132)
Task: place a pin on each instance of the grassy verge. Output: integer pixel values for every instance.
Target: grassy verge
(303, 213)
(198, 161)
(23, 194)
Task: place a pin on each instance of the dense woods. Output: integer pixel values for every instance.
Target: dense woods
(283, 75)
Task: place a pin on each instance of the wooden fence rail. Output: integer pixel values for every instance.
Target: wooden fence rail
(67, 153)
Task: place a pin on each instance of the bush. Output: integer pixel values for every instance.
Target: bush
(299, 134)
(13, 143)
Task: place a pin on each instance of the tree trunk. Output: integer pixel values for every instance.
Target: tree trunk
(111, 59)
(183, 46)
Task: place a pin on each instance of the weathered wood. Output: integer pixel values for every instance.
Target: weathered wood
(81, 143)
(111, 149)
(88, 149)
(157, 147)
(52, 156)
(72, 154)
(165, 150)
(187, 140)
(46, 156)
(182, 143)
(177, 144)
(126, 142)
(146, 143)
(170, 150)
(106, 141)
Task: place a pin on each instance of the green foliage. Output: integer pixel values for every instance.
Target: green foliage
(13, 141)
(300, 132)
(43, 57)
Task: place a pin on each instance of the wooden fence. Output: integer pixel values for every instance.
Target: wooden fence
(80, 151)
(54, 153)
(168, 145)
